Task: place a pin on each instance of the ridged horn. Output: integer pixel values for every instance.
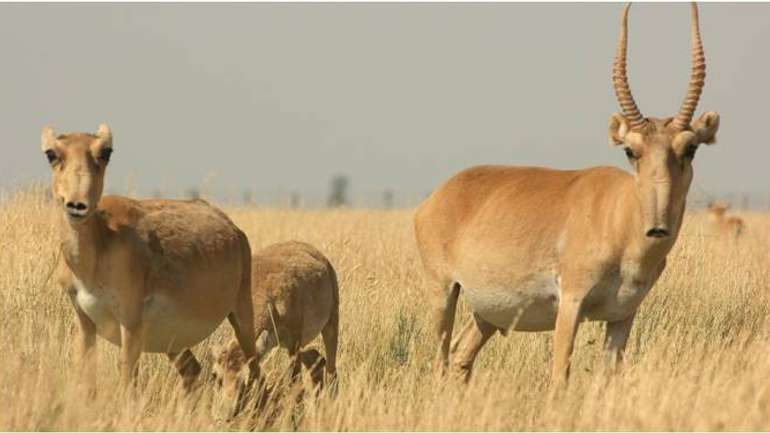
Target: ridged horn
(697, 77)
(620, 79)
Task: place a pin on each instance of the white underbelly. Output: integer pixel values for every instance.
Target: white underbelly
(530, 307)
(166, 328)
(532, 304)
(102, 310)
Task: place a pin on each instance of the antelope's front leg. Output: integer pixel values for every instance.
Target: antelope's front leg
(615, 341)
(617, 332)
(87, 354)
(567, 320)
(131, 343)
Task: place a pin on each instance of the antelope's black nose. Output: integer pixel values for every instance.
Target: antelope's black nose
(657, 233)
(76, 205)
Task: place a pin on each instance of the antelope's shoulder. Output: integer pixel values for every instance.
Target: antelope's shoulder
(172, 229)
(119, 212)
(189, 217)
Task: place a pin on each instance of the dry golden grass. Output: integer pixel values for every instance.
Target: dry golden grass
(697, 359)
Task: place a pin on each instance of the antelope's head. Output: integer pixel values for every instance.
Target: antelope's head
(230, 370)
(78, 162)
(717, 209)
(661, 150)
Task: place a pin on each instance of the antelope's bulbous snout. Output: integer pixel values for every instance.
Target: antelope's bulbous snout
(76, 209)
(79, 191)
(656, 209)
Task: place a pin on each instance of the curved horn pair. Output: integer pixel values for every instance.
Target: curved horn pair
(697, 77)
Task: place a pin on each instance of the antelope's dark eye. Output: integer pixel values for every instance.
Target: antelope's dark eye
(51, 155)
(629, 153)
(689, 153)
(104, 154)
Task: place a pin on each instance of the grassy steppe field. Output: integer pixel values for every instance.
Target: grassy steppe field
(697, 358)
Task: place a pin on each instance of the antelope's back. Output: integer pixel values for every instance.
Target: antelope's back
(299, 281)
(496, 217)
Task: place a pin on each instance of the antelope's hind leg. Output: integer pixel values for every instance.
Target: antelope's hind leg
(242, 317)
(330, 334)
(315, 364)
(295, 355)
(444, 320)
(469, 342)
(242, 322)
(187, 366)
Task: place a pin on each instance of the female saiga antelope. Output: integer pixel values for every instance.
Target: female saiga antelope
(295, 297)
(538, 249)
(146, 275)
(725, 225)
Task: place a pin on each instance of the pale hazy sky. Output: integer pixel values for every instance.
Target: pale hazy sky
(279, 97)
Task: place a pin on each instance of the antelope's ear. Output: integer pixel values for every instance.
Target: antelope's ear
(102, 148)
(705, 128)
(105, 135)
(718, 205)
(618, 128)
(47, 139)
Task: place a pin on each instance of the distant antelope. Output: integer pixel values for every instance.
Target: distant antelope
(725, 225)
(296, 298)
(146, 275)
(537, 249)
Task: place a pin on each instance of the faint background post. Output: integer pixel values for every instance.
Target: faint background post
(193, 193)
(339, 191)
(295, 200)
(388, 198)
(248, 197)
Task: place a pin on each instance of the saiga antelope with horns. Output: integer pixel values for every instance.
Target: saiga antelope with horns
(146, 275)
(536, 249)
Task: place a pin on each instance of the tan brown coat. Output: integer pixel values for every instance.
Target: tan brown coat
(296, 297)
(537, 249)
(146, 275)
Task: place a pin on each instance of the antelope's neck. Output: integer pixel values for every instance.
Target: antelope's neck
(81, 245)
